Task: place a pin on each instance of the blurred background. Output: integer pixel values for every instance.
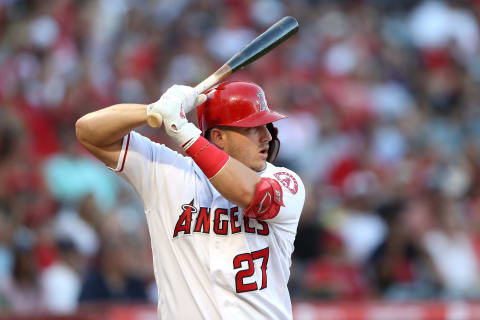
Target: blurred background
(384, 129)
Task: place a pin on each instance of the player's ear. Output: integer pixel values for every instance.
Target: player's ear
(217, 137)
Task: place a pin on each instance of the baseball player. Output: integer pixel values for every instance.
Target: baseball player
(222, 220)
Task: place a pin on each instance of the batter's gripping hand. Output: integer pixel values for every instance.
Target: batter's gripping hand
(172, 107)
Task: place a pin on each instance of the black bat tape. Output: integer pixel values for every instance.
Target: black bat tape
(271, 38)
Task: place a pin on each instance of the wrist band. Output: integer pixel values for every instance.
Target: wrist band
(207, 156)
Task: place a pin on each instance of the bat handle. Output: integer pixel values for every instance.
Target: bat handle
(206, 84)
(154, 120)
(223, 72)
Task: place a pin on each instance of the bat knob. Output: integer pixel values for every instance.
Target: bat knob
(154, 120)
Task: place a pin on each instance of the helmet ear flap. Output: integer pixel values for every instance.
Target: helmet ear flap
(274, 144)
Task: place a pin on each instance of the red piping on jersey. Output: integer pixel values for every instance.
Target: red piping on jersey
(125, 154)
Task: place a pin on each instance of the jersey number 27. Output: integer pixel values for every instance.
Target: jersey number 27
(241, 286)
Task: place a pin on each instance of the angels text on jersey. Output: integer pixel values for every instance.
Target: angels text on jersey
(225, 221)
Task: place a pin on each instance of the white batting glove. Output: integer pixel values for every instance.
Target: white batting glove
(172, 106)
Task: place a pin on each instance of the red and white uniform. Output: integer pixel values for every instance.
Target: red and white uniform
(210, 261)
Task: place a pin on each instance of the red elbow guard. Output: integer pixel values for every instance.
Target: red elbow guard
(267, 200)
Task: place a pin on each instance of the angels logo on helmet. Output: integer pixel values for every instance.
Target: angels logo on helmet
(262, 101)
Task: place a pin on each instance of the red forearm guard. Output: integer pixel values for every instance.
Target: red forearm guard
(207, 156)
(267, 200)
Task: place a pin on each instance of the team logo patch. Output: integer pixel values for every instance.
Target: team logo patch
(288, 181)
(262, 101)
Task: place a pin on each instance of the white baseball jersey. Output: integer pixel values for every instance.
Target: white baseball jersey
(210, 261)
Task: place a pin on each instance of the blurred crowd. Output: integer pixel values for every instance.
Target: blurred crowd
(383, 128)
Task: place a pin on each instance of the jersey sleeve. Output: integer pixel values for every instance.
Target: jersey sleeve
(142, 161)
(293, 192)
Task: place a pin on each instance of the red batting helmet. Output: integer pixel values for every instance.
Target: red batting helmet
(239, 104)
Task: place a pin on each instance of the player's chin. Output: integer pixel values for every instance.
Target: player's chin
(260, 165)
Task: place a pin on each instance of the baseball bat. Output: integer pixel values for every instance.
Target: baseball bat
(271, 38)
